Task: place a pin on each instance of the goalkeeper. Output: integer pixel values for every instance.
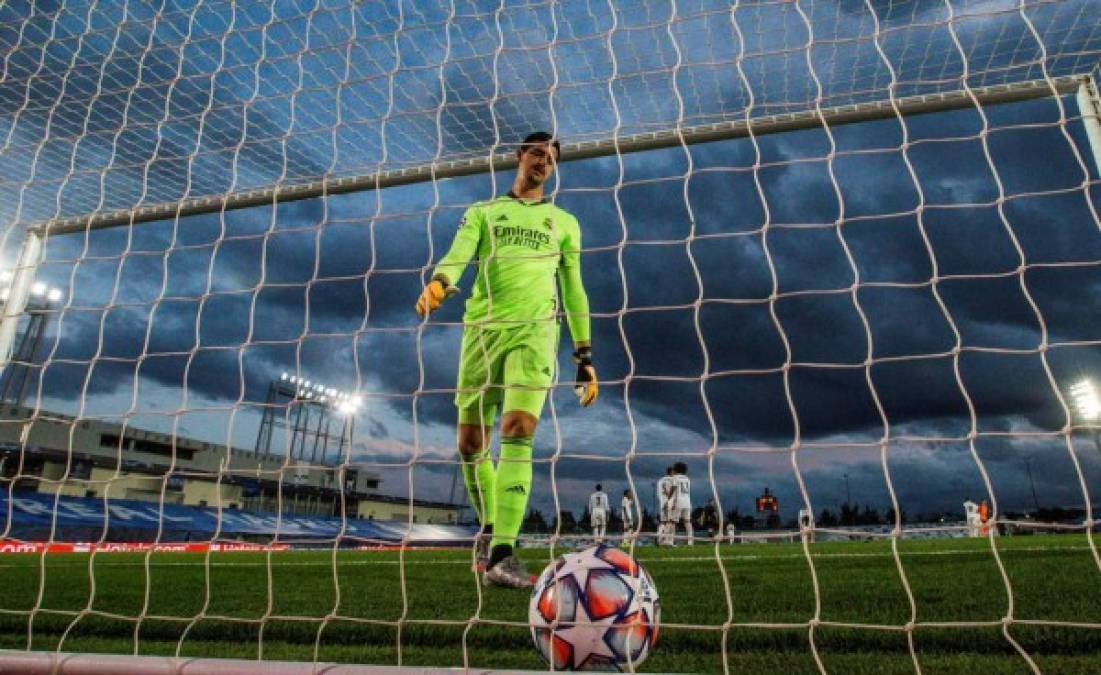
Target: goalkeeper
(521, 244)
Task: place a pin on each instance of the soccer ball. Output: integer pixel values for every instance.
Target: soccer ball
(594, 610)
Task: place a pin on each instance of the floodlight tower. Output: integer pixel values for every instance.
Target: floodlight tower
(1088, 406)
(16, 374)
(307, 409)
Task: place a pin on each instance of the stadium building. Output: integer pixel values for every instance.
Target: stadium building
(108, 460)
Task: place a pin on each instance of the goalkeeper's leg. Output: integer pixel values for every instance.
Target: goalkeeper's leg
(511, 499)
(527, 374)
(480, 478)
(479, 474)
(513, 481)
(477, 404)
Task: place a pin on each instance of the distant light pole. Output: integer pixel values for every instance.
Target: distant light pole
(848, 495)
(1088, 405)
(1032, 484)
(40, 303)
(312, 403)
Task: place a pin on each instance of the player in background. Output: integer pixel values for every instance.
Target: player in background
(709, 518)
(627, 514)
(984, 518)
(971, 513)
(806, 524)
(522, 245)
(599, 507)
(682, 508)
(667, 491)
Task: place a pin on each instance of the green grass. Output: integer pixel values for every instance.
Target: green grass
(216, 609)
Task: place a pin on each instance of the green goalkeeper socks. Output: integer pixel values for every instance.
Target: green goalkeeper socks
(513, 489)
(480, 478)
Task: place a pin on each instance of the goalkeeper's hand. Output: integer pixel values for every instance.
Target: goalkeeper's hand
(433, 296)
(585, 386)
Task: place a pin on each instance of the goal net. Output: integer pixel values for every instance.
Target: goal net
(840, 254)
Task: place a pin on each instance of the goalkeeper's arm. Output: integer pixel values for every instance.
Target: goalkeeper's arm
(452, 265)
(576, 303)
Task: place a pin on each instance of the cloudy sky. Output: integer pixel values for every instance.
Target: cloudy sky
(752, 302)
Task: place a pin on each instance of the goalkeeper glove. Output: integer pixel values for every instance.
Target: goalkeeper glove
(585, 386)
(433, 296)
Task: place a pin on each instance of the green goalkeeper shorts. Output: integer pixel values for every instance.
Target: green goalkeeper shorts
(511, 368)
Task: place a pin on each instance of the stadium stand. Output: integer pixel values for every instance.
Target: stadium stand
(33, 517)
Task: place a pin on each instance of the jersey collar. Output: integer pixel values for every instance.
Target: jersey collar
(512, 195)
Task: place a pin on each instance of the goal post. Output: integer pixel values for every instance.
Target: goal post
(227, 443)
(18, 288)
(1089, 107)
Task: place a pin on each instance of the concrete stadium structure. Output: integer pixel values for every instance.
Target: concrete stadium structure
(54, 453)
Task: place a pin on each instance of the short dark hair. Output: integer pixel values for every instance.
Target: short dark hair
(538, 138)
(598, 487)
(626, 493)
(680, 467)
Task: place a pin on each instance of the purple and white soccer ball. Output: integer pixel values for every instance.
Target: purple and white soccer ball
(594, 610)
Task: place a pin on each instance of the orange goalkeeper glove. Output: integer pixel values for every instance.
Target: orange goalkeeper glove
(586, 386)
(433, 296)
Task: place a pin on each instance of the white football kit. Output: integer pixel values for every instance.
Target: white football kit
(627, 512)
(666, 497)
(682, 509)
(598, 513)
(974, 523)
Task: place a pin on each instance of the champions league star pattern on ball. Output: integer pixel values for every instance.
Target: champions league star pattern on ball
(594, 610)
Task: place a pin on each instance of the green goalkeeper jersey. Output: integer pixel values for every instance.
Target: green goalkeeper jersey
(521, 247)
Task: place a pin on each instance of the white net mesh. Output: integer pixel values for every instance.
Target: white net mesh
(875, 319)
(115, 106)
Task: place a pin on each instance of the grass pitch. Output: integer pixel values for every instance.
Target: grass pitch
(420, 608)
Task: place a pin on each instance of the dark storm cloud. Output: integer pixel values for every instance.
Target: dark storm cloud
(824, 329)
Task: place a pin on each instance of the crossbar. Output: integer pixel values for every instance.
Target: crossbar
(703, 133)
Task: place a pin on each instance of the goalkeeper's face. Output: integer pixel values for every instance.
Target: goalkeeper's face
(537, 164)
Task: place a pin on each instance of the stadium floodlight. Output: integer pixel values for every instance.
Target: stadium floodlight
(54, 294)
(350, 404)
(284, 377)
(1085, 400)
(38, 289)
(5, 276)
(4, 293)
